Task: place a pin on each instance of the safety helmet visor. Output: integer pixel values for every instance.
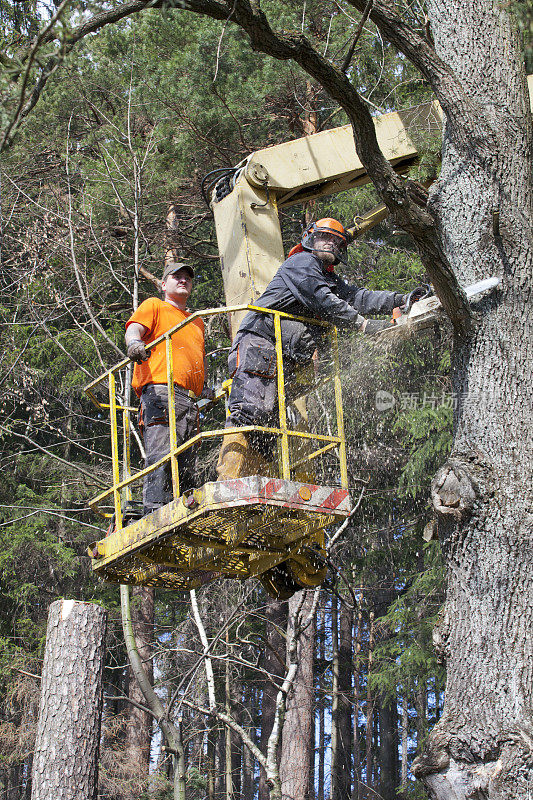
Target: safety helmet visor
(328, 235)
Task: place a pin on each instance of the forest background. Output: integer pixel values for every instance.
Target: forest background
(103, 176)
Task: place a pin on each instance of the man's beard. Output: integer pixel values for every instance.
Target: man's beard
(326, 256)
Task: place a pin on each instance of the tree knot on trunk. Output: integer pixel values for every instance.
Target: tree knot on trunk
(434, 759)
(456, 486)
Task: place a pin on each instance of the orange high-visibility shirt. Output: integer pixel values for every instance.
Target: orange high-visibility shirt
(187, 347)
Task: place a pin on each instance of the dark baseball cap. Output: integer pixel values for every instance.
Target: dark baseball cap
(174, 266)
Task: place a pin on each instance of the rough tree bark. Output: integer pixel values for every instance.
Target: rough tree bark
(369, 713)
(483, 744)
(388, 748)
(65, 764)
(341, 767)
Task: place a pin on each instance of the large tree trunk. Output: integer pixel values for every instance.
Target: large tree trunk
(65, 764)
(482, 746)
(357, 787)
(388, 749)
(369, 714)
(299, 718)
(321, 746)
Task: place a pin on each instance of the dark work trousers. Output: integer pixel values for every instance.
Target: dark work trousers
(254, 390)
(157, 488)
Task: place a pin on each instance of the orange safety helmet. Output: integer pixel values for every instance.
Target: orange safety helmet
(325, 225)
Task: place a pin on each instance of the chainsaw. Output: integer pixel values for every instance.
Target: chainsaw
(425, 311)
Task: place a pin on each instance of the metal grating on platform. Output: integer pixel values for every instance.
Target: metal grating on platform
(235, 528)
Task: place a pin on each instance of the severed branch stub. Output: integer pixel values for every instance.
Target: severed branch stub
(453, 491)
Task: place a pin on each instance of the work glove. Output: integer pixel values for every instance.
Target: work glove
(374, 326)
(417, 294)
(137, 351)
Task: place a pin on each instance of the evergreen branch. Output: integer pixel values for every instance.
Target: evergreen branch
(65, 351)
(41, 38)
(52, 512)
(55, 61)
(15, 362)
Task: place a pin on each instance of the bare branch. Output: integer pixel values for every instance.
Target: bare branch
(231, 723)
(69, 464)
(210, 677)
(349, 54)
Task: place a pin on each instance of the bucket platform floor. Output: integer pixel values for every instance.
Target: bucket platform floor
(236, 528)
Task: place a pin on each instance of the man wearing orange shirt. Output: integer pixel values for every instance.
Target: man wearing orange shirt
(153, 318)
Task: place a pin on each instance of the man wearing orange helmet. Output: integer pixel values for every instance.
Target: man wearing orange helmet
(304, 285)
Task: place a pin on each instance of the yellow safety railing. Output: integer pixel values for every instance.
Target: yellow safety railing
(122, 486)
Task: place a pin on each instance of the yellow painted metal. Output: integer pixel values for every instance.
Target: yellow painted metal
(126, 452)
(183, 545)
(282, 407)
(180, 549)
(195, 440)
(172, 418)
(315, 454)
(326, 163)
(131, 409)
(249, 236)
(114, 451)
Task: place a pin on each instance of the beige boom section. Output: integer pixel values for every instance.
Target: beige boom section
(246, 220)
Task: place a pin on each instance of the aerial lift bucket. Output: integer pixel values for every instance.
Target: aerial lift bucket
(270, 527)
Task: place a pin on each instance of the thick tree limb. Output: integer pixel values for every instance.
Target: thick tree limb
(448, 89)
(414, 220)
(171, 733)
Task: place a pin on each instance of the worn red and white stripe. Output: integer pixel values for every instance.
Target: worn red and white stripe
(289, 494)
